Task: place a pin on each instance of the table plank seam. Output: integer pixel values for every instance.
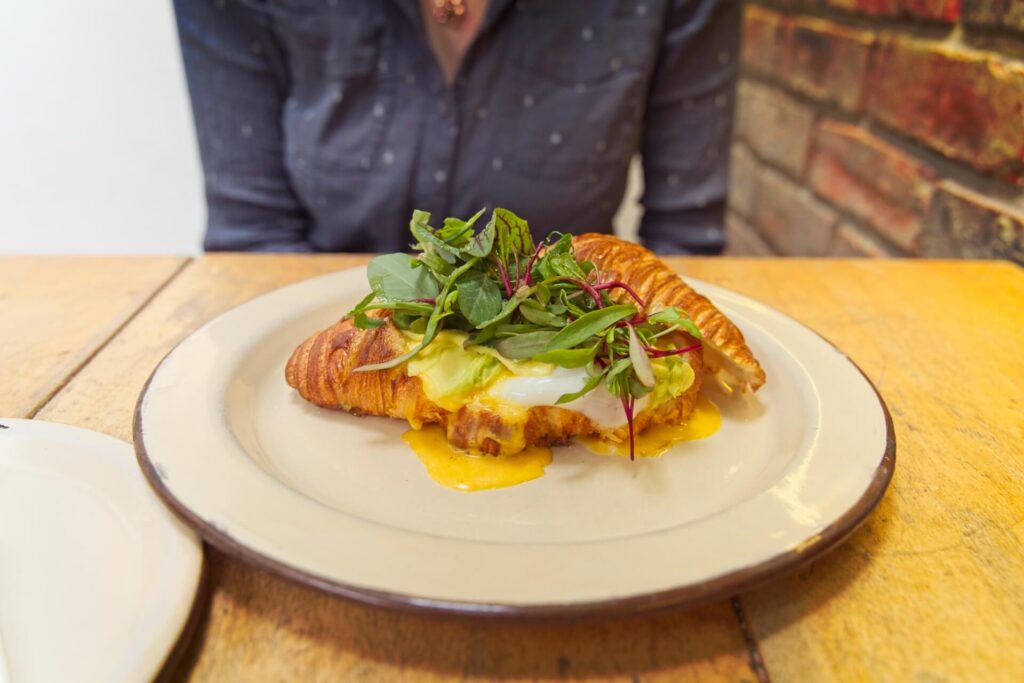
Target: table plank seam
(756, 660)
(57, 388)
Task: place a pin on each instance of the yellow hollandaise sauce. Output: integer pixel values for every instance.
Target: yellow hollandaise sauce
(464, 471)
(704, 421)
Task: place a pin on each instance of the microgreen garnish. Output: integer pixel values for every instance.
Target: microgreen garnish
(526, 300)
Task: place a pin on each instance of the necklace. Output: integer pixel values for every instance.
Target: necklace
(449, 12)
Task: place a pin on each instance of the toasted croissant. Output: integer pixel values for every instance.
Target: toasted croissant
(322, 370)
(726, 354)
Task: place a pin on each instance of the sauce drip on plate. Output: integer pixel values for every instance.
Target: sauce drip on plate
(464, 471)
(658, 440)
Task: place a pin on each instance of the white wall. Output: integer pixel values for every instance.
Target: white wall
(97, 150)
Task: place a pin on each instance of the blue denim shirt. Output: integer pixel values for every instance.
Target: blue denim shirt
(323, 123)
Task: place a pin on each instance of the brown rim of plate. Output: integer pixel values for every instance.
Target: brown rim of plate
(718, 588)
(178, 658)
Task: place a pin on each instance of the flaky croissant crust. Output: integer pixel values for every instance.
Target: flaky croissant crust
(322, 370)
(726, 354)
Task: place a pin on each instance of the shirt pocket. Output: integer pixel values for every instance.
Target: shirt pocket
(563, 45)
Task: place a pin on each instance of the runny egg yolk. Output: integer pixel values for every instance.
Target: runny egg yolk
(464, 471)
(659, 439)
(454, 375)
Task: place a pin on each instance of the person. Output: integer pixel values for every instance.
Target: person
(322, 124)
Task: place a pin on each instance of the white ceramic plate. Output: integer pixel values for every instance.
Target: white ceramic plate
(341, 503)
(98, 582)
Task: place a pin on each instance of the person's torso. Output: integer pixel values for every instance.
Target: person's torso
(543, 117)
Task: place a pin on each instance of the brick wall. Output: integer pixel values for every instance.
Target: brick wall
(880, 128)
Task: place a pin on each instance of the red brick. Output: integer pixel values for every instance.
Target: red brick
(765, 35)
(851, 242)
(962, 103)
(873, 180)
(963, 223)
(791, 219)
(743, 240)
(743, 181)
(887, 8)
(935, 10)
(827, 61)
(775, 126)
(1003, 13)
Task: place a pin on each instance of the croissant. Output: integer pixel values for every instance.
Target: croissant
(726, 354)
(322, 368)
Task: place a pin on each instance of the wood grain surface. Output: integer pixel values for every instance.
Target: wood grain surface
(55, 311)
(931, 589)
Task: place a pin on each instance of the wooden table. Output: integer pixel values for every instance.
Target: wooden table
(930, 589)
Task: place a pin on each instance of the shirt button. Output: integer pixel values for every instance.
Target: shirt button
(497, 164)
(587, 33)
(440, 176)
(555, 138)
(388, 156)
(615, 64)
(378, 110)
(481, 113)
(528, 101)
(601, 146)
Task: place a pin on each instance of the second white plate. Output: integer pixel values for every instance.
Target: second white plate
(98, 582)
(341, 502)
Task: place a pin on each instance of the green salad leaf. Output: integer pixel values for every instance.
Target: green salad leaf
(393, 278)
(479, 297)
